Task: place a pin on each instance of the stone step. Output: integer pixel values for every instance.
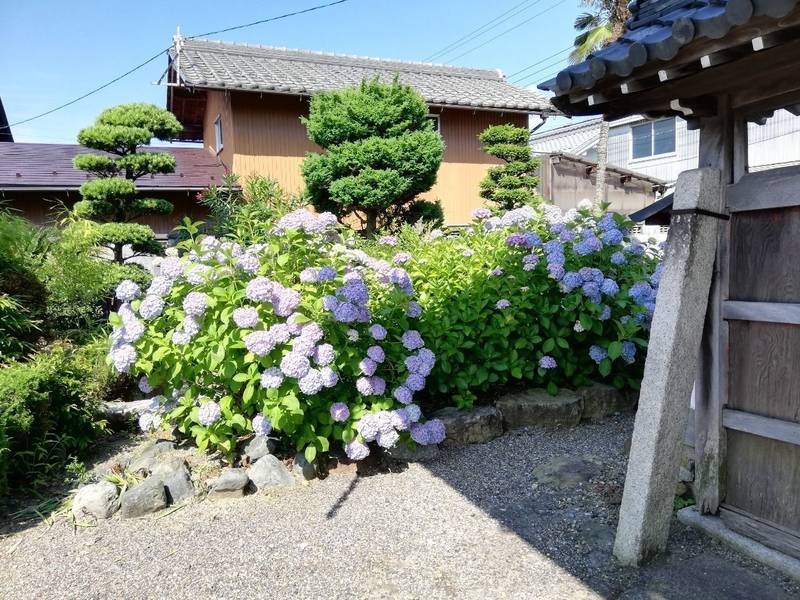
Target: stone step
(538, 408)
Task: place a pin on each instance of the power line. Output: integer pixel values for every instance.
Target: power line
(475, 33)
(509, 30)
(530, 66)
(546, 68)
(160, 52)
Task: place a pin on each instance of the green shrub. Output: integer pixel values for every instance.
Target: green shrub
(300, 333)
(513, 184)
(503, 295)
(381, 151)
(47, 412)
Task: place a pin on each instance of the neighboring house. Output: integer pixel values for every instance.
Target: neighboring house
(35, 177)
(245, 102)
(663, 148)
(5, 128)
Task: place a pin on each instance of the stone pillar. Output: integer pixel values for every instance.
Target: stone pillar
(670, 369)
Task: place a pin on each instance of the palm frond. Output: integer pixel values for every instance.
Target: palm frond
(594, 40)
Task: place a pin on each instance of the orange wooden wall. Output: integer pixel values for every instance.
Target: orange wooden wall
(263, 135)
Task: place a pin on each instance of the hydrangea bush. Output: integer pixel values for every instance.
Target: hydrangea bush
(302, 334)
(531, 295)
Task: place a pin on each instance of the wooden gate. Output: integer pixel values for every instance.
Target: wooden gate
(761, 412)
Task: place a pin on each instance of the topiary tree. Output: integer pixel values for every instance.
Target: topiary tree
(513, 184)
(110, 199)
(381, 151)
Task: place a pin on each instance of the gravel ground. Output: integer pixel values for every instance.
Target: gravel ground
(472, 524)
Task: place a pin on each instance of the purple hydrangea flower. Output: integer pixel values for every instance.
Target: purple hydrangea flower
(388, 240)
(635, 248)
(481, 213)
(259, 289)
(414, 412)
(209, 414)
(401, 258)
(378, 385)
(571, 281)
(415, 382)
(311, 383)
(414, 310)
(245, 317)
(248, 262)
(272, 378)
(326, 273)
(309, 275)
(592, 291)
(378, 332)
(387, 439)
(195, 304)
(259, 343)
(127, 290)
(262, 426)
(400, 419)
(605, 314)
(181, 338)
(467, 252)
(368, 366)
(355, 450)
(345, 312)
(403, 395)
(641, 292)
(497, 272)
(285, 300)
(376, 353)
(556, 271)
(160, 286)
(547, 362)
(329, 377)
(144, 385)
(426, 434)
(295, 365)
(364, 386)
(502, 304)
(324, 355)
(172, 268)
(412, 340)
(339, 412)
(330, 303)
(151, 307)
(515, 239)
(598, 354)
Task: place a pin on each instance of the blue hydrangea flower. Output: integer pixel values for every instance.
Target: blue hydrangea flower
(605, 314)
(378, 332)
(195, 303)
(412, 340)
(403, 395)
(172, 268)
(481, 213)
(502, 304)
(309, 275)
(295, 365)
(414, 310)
(355, 450)
(285, 300)
(415, 382)
(262, 426)
(160, 286)
(598, 354)
(400, 419)
(607, 222)
(556, 271)
(497, 272)
(329, 377)
(209, 414)
(364, 386)
(144, 385)
(609, 287)
(635, 248)
(151, 307)
(547, 362)
(326, 273)
(571, 281)
(368, 366)
(612, 237)
(628, 352)
(414, 412)
(618, 258)
(401, 258)
(345, 312)
(248, 262)
(641, 292)
(324, 355)
(339, 412)
(387, 439)
(376, 353)
(127, 290)
(388, 240)
(123, 356)
(272, 378)
(655, 278)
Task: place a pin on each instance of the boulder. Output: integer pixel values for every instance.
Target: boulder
(172, 471)
(145, 459)
(232, 483)
(537, 407)
(303, 468)
(269, 472)
(567, 471)
(258, 447)
(148, 497)
(601, 400)
(475, 426)
(98, 500)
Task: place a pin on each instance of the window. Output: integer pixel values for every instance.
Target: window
(218, 134)
(654, 138)
(437, 123)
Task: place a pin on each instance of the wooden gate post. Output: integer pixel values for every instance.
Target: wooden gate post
(670, 368)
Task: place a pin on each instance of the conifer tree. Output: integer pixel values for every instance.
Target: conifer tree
(513, 184)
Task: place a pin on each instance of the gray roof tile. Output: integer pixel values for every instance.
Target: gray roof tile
(211, 64)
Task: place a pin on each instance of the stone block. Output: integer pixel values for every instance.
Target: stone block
(302, 468)
(601, 400)
(98, 500)
(148, 497)
(537, 407)
(269, 472)
(259, 446)
(232, 483)
(403, 454)
(476, 426)
(172, 471)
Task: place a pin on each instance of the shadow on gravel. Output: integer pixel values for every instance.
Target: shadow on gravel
(570, 516)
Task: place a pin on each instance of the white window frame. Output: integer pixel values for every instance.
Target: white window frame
(437, 119)
(218, 135)
(642, 159)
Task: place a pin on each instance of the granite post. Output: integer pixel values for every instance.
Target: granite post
(670, 368)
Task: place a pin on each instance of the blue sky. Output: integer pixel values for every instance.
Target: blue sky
(54, 51)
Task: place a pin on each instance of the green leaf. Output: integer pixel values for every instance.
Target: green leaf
(614, 351)
(549, 345)
(310, 453)
(248, 392)
(241, 377)
(552, 389)
(605, 367)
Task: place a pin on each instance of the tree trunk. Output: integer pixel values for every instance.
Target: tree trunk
(372, 223)
(602, 162)
(118, 258)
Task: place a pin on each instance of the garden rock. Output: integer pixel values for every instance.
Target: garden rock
(303, 468)
(120, 414)
(601, 400)
(537, 407)
(269, 472)
(230, 484)
(476, 426)
(148, 497)
(564, 472)
(172, 471)
(258, 447)
(98, 500)
(421, 454)
(146, 458)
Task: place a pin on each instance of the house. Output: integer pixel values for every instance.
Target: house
(5, 128)
(244, 104)
(35, 177)
(663, 148)
(727, 317)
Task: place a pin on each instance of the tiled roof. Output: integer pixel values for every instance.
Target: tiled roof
(49, 166)
(568, 138)
(656, 32)
(219, 65)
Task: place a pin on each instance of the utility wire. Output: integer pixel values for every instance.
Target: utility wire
(509, 30)
(475, 33)
(544, 69)
(546, 58)
(161, 52)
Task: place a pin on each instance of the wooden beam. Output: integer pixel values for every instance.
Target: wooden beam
(765, 532)
(766, 427)
(764, 312)
(775, 188)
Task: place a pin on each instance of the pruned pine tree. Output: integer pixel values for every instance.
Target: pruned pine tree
(513, 184)
(110, 199)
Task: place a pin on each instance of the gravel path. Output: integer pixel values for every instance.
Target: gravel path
(472, 524)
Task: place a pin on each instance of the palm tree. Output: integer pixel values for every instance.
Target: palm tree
(596, 29)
